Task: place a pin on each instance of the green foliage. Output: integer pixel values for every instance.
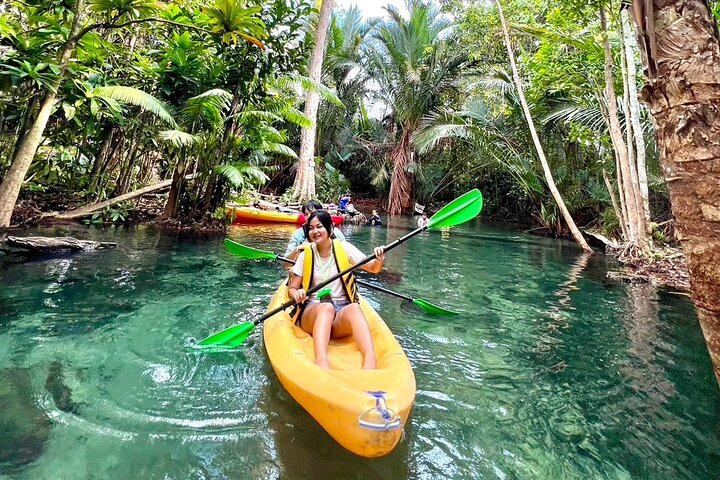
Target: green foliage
(220, 214)
(136, 97)
(235, 22)
(113, 214)
(331, 184)
(609, 223)
(41, 75)
(242, 176)
(219, 93)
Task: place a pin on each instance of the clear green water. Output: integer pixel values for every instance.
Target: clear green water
(551, 370)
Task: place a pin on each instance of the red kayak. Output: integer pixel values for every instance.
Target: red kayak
(337, 219)
(245, 214)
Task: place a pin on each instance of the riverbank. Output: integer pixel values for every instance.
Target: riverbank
(667, 267)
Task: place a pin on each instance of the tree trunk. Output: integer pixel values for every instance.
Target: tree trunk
(614, 201)
(11, 184)
(305, 176)
(171, 205)
(115, 139)
(122, 185)
(625, 176)
(52, 244)
(630, 46)
(88, 209)
(536, 140)
(632, 150)
(401, 181)
(25, 124)
(679, 42)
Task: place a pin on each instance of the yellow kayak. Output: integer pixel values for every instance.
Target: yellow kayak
(363, 410)
(240, 214)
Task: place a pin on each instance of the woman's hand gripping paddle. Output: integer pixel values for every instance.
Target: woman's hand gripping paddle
(255, 254)
(458, 211)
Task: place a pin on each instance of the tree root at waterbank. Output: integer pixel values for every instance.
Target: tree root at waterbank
(665, 267)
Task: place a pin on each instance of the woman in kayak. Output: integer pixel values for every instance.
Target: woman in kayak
(336, 315)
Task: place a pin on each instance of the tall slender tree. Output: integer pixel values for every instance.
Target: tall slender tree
(624, 153)
(536, 139)
(304, 185)
(680, 48)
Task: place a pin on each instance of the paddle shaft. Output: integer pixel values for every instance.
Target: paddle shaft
(321, 285)
(363, 283)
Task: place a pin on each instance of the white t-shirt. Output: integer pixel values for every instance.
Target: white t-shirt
(326, 268)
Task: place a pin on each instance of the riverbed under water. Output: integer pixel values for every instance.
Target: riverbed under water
(551, 370)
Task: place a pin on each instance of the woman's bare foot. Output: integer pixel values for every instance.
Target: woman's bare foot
(322, 362)
(369, 362)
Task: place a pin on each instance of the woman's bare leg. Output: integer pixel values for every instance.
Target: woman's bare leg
(351, 320)
(317, 319)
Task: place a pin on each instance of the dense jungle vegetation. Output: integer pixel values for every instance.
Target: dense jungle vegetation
(102, 97)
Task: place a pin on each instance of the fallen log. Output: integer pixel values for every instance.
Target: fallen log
(52, 244)
(600, 241)
(89, 209)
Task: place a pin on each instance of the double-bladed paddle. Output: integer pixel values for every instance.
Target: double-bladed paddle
(458, 211)
(255, 254)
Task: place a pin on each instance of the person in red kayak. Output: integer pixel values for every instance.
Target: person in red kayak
(336, 315)
(294, 246)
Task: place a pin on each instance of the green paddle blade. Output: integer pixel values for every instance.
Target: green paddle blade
(458, 211)
(230, 337)
(431, 309)
(247, 252)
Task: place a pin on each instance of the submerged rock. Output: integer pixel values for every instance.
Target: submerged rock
(25, 427)
(55, 384)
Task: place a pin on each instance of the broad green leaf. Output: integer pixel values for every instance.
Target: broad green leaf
(136, 97)
(69, 111)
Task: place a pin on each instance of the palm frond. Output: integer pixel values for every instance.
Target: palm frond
(240, 175)
(179, 138)
(309, 85)
(134, 96)
(280, 149)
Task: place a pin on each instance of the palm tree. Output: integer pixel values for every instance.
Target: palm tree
(414, 70)
(199, 148)
(344, 69)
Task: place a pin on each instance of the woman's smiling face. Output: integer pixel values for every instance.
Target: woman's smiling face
(316, 231)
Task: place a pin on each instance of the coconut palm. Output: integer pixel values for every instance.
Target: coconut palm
(344, 68)
(414, 67)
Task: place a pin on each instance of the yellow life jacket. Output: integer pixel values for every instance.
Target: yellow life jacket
(341, 262)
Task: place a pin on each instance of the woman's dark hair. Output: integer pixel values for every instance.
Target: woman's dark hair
(324, 218)
(310, 206)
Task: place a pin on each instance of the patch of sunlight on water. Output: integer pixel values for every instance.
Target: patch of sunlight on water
(550, 370)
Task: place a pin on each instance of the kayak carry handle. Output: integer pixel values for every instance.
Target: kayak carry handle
(388, 420)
